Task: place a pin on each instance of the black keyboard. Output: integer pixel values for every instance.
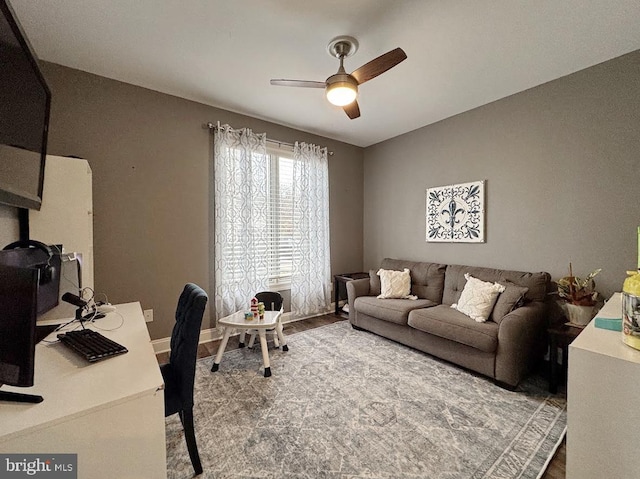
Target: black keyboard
(91, 345)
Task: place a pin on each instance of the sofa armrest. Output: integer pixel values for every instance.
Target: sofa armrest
(355, 288)
(520, 342)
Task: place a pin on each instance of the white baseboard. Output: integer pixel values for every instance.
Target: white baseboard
(163, 345)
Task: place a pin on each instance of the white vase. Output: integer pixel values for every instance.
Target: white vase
(580, 315)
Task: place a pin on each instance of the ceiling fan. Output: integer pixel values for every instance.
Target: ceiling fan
(342, 87)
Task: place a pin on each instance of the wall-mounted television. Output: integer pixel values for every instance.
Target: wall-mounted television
(25, 100)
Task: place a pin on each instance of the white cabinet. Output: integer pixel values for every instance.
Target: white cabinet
(66, 216)
(603, 407)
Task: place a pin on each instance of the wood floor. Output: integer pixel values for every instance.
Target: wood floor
(556, 469)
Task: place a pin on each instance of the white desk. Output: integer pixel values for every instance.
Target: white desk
(603, 429)
(237, 321)
(110, 413)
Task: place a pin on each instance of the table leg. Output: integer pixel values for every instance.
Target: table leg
(241, 340)
(565, 361)
(553, 360)
(221, 348)
(265, 352)
(280, 335)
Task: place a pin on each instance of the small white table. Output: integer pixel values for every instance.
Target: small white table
(237, 321)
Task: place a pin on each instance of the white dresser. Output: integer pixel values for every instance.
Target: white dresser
(603, 403)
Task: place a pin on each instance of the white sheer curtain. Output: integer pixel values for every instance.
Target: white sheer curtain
(311, 277)
(241, 175)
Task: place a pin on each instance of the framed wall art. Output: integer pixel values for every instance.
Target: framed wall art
(455, 213)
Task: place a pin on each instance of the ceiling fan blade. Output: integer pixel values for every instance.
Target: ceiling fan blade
(301, 83)
(379, 65)
(352, 109)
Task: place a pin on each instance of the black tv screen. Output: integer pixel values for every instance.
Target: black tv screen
(24, 116)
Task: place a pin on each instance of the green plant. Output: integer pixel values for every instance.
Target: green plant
(581, 292)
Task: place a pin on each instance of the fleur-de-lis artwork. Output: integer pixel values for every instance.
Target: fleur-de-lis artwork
(455, 213)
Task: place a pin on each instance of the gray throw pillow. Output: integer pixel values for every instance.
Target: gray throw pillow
(375, 286)
(511, 298)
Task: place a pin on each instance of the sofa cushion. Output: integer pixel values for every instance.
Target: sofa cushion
(395, 284)
(454, 282)
(392, 310)
(448, 323)
(478, 298)
(427, 279)
(511, 298)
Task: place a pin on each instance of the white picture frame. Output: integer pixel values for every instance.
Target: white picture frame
(455, 213)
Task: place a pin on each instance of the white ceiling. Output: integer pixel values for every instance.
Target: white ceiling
(461, 53)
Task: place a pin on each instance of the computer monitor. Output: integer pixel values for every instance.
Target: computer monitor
(18, 312)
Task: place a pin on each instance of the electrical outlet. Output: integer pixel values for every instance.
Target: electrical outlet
(148, 315)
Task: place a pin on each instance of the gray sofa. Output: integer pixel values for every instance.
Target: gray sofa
(505, 348)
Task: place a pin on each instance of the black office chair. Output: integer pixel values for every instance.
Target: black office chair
(179, 374)
(272, 302)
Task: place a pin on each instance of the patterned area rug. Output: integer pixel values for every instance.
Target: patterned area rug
(346, 404)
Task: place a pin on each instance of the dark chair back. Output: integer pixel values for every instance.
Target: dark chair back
(184, 349)
(179, 374)
(271, 299)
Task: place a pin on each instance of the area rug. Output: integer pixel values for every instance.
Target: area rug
(346, 404)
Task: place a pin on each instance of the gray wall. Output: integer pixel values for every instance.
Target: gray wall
(150, 156)
(562, 168)
(9, 226)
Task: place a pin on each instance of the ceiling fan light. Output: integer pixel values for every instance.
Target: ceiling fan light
(342, 93)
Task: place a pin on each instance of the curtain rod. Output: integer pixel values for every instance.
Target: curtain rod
(213, 126)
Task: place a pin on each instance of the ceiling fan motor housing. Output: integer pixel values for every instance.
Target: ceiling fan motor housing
(342, 89)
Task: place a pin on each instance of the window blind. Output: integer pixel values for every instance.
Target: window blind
(280, 228)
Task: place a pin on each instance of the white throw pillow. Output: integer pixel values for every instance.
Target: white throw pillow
(395, 284)
(478, 298)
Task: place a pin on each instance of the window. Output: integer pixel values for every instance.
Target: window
(271, 207)
(280, 216)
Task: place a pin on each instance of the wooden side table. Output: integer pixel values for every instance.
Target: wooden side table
(560, 337)
(342, 279)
